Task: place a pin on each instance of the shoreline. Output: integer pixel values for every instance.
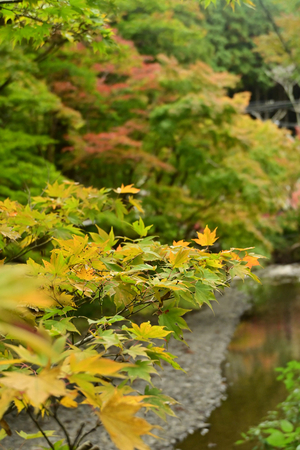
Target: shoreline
(203, 387)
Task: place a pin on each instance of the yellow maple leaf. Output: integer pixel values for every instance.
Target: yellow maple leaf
(85, 273)
(181, 243)
(6, 397)
(68, 401)
(118, 417)
(147, 331)
(95, 365)
(126, 189)
(38, 388)
(179, 258)
(207, 237)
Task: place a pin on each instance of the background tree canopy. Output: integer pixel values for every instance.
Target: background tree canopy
(150, 109)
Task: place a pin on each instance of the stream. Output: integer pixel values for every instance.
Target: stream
(267, 337)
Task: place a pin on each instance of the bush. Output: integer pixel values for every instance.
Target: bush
(281, 429)
(46, 363)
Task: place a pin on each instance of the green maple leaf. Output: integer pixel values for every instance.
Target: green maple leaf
(160, 402)
(157, 353)
(172, 320)
(141, 369)
(203, 294)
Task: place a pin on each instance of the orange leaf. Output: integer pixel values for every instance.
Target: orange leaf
(206, 238)
(126, 189)
(251, 261)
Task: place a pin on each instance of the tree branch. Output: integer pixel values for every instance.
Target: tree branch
(275, 28)
(6, 83)
(10, 1)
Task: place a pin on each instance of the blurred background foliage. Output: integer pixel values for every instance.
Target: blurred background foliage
(164, 107)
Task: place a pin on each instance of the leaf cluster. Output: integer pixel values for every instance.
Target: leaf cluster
(281, 428)
(46, 362)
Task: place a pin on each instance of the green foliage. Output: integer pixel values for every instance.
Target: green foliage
(281, 429)
(173, 28)
(42, 353)
(55, 22)
(27, 112)
(232, 3)
(229, 42)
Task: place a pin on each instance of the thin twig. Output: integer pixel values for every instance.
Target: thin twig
(91, 337)
(76, 440)
(277, 30)
(89, 432)
(19, 16)
(54, 415)
(40, 428)
(31, 247)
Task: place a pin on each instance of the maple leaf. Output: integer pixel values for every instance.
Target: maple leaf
(136, 204)
(206, 238)
(179, 258)
(181, 243)
(142, 370)
(172, 320)
(38, 388)
(136, 350)
(160, 402)
(39, 434)
(203, 294)
(69, 400)
(95, 365)
(9, 232)
(239, 271)
(146, 331)
(118, 417)
(251, 261)
(139, 227)
(126, 189)
(6, 397)
(157, 353)
(85, 273)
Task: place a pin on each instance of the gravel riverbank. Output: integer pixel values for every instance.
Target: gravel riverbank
(198, 391)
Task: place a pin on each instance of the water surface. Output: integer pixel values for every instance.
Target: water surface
(267, 337)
